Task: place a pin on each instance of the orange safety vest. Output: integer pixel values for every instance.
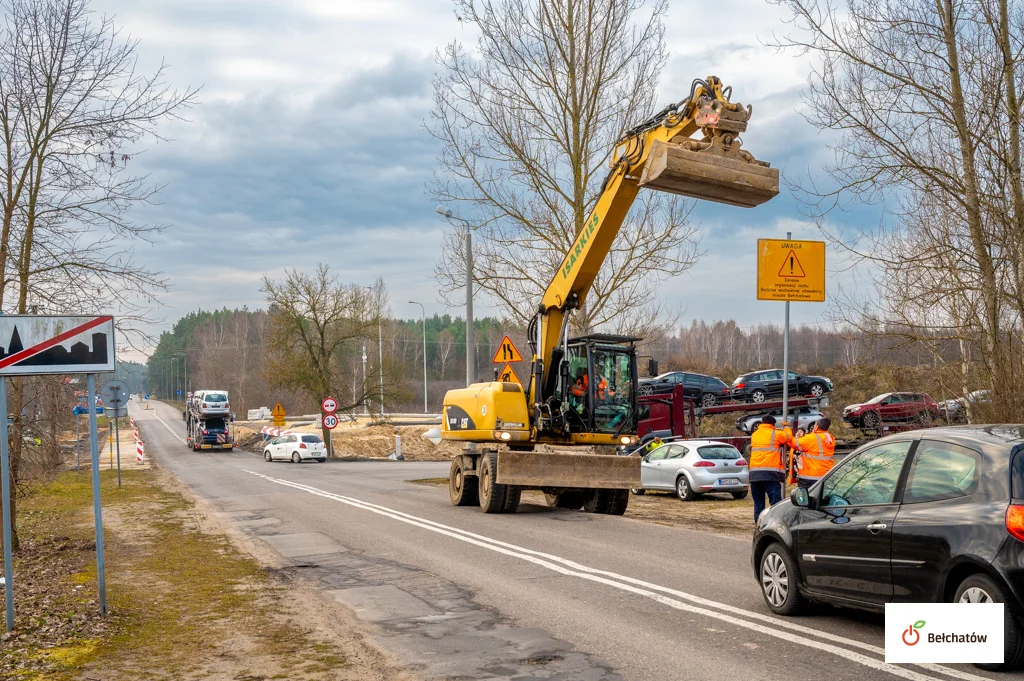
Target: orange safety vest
(766, 446)
(603, 391)
(580, 389)
(816, 454)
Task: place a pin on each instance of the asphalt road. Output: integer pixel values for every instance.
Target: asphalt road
(542, 594)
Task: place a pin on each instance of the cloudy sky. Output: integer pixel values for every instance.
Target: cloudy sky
(308, 146)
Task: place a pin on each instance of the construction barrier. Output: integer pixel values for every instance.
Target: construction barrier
(139, 457)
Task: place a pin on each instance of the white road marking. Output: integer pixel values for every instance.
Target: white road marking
(569, 568)
(164, 423)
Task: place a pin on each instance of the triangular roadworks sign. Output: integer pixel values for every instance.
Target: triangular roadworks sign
(506, 352)
(508, 375)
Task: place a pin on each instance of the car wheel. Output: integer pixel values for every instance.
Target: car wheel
(267, 456)
(757, 396)
(322, 460)
(637, 490)
(778, 581)
(870, 421)
(981, 588)
(296, 458)
(740, 495)
(707, 400)
(646, 390)
(817, 390)
(683, 489)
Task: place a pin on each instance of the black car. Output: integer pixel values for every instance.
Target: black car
(703, 390)
(758, 386)
(923, 516)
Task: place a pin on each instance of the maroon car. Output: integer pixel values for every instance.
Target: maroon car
(892, 408)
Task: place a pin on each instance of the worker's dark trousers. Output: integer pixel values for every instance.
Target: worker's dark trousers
(771, 488)
(806, 483)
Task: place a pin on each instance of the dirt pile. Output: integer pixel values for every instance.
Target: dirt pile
(361, 442)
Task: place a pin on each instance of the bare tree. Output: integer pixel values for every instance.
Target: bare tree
(73, 112)
(317, 326)
(527, 122)
(445, 348)
(923, 96)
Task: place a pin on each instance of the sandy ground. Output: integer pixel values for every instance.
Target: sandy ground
(362, 441)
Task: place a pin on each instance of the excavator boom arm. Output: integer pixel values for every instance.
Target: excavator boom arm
(660, 154)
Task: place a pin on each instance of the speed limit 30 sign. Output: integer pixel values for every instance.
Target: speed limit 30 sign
(330, 422)
(329, 405)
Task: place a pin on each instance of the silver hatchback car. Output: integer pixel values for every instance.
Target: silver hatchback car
(694, 467)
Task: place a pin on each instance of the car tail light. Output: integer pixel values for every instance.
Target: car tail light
(1015, 520)
(704, 464)
(741, 462)
(302, 445)
(205, 432)
(738, 386)
(204, 405)
(227, 406)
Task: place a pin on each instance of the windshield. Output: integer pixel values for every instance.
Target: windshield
(215, 397)
(313, 439)
(878, 398)
(718, 452)
(613, 391)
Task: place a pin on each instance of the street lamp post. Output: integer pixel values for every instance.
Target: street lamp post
(380, 353)
(423, 316)
(184, 365)
(470, 346)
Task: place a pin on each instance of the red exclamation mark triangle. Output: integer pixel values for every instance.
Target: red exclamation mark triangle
(791, 266)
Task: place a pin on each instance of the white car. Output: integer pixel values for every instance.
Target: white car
(694, 467)
(212, 402)
(296, 447)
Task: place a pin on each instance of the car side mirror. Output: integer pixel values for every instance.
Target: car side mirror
(652, 367)
(800, 497)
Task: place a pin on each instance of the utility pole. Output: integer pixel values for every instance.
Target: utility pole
(470, 345)
(423, 317)
(366, 405)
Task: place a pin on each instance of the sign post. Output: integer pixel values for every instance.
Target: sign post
(115, 394)
(790, 270)
(329, 405)
(5, 483)
(34, 345)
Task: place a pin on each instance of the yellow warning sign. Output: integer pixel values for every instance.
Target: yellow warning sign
(506, 352)
(278, 413)
(508, 375)
(791, 270)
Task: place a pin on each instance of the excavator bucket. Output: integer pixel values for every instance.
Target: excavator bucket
(710, 173)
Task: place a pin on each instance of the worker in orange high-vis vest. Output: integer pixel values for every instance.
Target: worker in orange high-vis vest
(767, 463)
(816, 451)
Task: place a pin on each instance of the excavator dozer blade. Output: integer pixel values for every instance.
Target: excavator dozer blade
(555, 469)
(708, 176)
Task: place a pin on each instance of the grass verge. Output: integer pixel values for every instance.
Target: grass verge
(184, 603)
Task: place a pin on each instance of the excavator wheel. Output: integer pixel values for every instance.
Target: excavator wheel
(462, 490)
(619, 501)
(607, 501)
(512, 496)
(492, 495)
(572, 500)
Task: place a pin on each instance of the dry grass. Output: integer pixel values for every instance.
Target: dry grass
(185, 603)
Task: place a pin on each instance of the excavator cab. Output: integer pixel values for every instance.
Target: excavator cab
(597, 385)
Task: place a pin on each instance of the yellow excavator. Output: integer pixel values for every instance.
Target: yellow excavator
(559, 434)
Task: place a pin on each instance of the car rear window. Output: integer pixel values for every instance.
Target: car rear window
(215, 397)
(941, 470)
(1017, 475)
(718, 452)
(311, 438)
